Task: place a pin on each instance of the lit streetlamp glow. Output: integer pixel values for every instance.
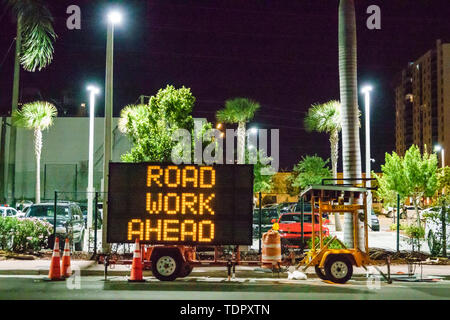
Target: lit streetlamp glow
(115, 17)
(90, 189)
(438, 148)
(366, 91)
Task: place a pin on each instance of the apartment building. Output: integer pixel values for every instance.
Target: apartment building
(422, 95)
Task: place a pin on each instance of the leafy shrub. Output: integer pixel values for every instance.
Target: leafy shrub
(334, 245)
(414, 231)
(416, 234)
(393, 226)
(24, 234)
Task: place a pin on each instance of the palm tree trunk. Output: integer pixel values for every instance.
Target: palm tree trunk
(11, 177)
(349, 101)
(37, 151)
(334, 143)
(241, 143)
(2, 160)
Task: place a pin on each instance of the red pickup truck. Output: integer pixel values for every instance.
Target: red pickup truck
(290, 228)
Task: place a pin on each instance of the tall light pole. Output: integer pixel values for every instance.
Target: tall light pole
(366, 91)
(438, 148)
(114, 17)
(90, 189)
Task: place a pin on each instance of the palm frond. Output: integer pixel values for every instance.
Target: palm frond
(37, 33)
(130, 116)
(35, 115)
(325, 117)
(238, 110)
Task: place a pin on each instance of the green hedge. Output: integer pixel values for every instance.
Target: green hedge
(27, 235)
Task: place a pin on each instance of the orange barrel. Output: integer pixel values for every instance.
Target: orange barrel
(271, 249)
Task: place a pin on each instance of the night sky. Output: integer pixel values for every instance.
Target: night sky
(282, 54)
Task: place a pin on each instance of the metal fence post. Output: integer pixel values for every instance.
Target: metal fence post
(398, 223)
(444, 229)
(95, 223)
(54, 217)
(260, 221)
(302, 204)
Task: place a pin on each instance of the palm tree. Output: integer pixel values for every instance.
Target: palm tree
(240, 111)
(34, 50)
(36, 116)
(351, 154)
(326, 118)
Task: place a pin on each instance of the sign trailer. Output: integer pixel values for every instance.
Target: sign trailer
(179, 205)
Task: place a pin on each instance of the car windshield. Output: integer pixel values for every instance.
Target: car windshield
(47, 211)
(293, 218)
(306, 207)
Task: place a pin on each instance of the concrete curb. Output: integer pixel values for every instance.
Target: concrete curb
(43, 271)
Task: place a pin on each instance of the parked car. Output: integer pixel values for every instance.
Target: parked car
(6, 211)
(285, 207)
(267, 214)
(290, 228)
(69, 220)
(22, 207)
(84, 210)
(374, 222)
(297, 207)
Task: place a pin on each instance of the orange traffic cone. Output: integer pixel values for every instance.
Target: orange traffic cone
(136, 267)
(66, 270)
(55, 271)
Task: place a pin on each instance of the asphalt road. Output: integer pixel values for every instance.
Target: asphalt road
(197, 288)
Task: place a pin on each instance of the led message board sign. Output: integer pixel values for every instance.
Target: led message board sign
(180, 204)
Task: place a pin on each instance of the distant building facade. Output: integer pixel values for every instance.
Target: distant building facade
(422, 102)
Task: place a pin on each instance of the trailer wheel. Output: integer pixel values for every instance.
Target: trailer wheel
(185, 270)
(338, 268)
(320, 273)
(166, 266)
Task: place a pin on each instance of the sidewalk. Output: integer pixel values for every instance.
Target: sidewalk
(91, 268)
(36, 267)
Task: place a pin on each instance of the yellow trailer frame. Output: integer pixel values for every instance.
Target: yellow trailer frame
(330, 199)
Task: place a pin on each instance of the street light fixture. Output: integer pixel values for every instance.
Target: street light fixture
(438, 148)
(114, 17)
(366, 91)
(90, 189)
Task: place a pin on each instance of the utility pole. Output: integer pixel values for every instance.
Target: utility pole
(114, 17)
(11, 177)
(366, 91)
(108, 124)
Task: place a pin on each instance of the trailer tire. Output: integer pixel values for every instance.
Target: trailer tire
(166, 265)
(320, 273)
(185, 270)
(338, 268)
